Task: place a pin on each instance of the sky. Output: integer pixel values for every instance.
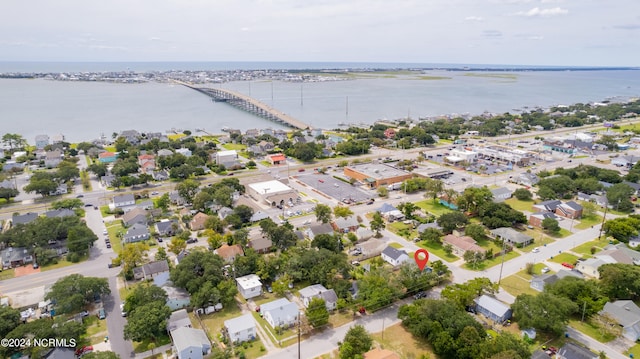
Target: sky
(510, 32)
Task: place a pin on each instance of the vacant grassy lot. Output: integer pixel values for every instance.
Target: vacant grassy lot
(588, 222)
(397, 339)
(591, 329)
(585, 248)
(434, 208)
(564, 257)
(234, 146)
(490, 263)
(519, 283)
(520, 205)
(437, 249)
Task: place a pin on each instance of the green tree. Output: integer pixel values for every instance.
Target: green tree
(323, 213)
(452, 220)
(475, 231)
(473, 197)
(9, 319)
(523, 194)
(356, 342)
(97, 168)
(41, 186)
(327, 241)
(622, 228)
(144, 294)
(101, 355)
(342, 211)
(433, 188)
(473, 258)
(377, 289)
(377, 223)
(79, 239)
(69, 203)
(620, 281)
(14, 140)
(73, 292)
(431, 235)
(317, 313)
(550, 225)
(619, 196)
(587, 294)
(545, 312)
(147, 322)
(464, 294)
(187, 189)
(176, 245)
(383, 192)
(8, 193)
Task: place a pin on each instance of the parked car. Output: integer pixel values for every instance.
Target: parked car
(545, 270)
(568, 265)
(84, 350)
(102, 314)
(192, 240)
(536, 250)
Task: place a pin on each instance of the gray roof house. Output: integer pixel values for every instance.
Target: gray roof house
(153, 269)
(178, 319)
(124, 201)
(501, 194)
(138, 232)
(318, 291)
(424, 226)
(512, 236)
(627, 314)
(493, 309)
(23, 218)
(320, 228)
(394, 256)
(240, 329)
(547, 206)
(345, 225)
(135, 215)
(177, 298)
(280, 313)
(13, 257)
(539, 282)
(165, 227)
(59, 213)
(190, 343)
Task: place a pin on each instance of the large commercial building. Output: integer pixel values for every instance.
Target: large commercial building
(274, 193)
(376, 174)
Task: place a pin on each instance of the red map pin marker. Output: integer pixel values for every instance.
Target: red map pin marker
(422, 257)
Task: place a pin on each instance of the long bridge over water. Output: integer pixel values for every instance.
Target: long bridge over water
(250, 105)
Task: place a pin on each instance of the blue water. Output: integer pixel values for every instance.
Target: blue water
(84, 110)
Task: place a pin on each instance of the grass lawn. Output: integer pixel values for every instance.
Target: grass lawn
(436, 208)
(214, 322)
(338, 319)
(234, 146)
(281, 339)
(140, 347)
(520, 205)
(397, 339)
(251, 350)
(564, 257)
(114, 228)
(402, 230)
(396, 245)
(561, 234)
(518, 283)
(96, 329)
(587, 222)
(591, 329)
(490, 263)
(585, 248)
(7, 274)
(61, 264)
(635, 350)
(437, 249)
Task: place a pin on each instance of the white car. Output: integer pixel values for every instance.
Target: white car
(536, 250)
(545, 270)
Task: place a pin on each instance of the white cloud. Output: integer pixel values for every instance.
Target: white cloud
(473, 18)
(536, 11)
(492, 33)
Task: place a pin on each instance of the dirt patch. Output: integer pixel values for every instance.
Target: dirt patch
(25, 270)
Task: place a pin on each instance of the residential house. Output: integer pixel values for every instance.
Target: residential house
(570, 210)
(538, 282)
(590, 266)
(160, 175)
(176, 198)
(501, 194)
(345, 225)
(280, 313)
(527, 179)
(462, 244)
(178, 319)
(15, 257)
(59, 213)
(372, 247)
(147, 163)
(224, 212)
(249, 286)
(229, 252)
(394, 256)
(424, 226)
(190, 343)
(319, 228)
(107, 157)
(124, 201)
(184, 151)
(154, 269)
(512, 236)
(61, 189)
(7, 184)
(612, 254)
(547, 206)
(138, 232)
(319, 291)
(177, 298)
(277, 159)
(635, 186)
(240, 329)
(53, 158)
(627, 314)
(229, 156)
(493, 309)
(23, 218)
(535, 219)
(107, 180)
(364, 233)
(261, 244)
(42, 141)
(136, 215)
(132, 136)
(164, 152)
(572, 350)
(60, 352)
(198, 221)
(266, 146)
(255, 150)
(167, 227)
(390, 213)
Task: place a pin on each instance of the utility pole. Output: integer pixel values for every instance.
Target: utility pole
(604, 217)
(502, 264)
(299, 334)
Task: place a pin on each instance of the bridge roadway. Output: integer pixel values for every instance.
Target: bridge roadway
(250, 105)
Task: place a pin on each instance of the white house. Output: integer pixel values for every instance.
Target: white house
(319, 291)
(394, 256)
(280, 313)
(249, 286)
(627, 314)
(124, 201)
(226, 156)
(190, 343)
(184, 151)
(241, 329)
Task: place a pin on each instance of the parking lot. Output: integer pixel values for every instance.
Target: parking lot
(334, 188)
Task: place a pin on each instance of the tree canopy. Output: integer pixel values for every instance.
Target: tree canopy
(73, 292)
